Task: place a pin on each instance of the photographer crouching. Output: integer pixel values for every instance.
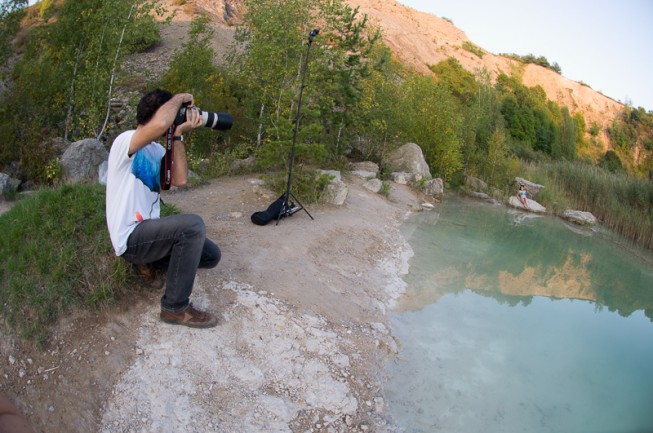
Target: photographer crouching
(139, 168)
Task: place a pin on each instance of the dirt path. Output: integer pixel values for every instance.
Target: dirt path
(301, 344)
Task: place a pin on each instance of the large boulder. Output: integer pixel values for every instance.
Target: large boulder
(409, 158)
(81, 161)
(475, 184)
(368, 166)
(579, 217)
(337, 191)
(402, 178)
(8, 185)
(533, 206)
(434, 187)
(374, 185)
(532, 189)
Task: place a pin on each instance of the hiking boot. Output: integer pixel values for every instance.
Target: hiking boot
(191, 317)
(150, 277)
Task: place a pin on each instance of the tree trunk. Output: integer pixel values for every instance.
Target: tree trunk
(113, 72)
(70, 97)
(259, 136)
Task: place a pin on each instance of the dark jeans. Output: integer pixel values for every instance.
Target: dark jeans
(178, 244)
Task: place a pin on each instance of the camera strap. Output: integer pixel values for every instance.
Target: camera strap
(166, 161)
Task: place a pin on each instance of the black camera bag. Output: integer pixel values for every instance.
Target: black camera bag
(272, 212)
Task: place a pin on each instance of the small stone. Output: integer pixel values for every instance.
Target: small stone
(51, 408)
(12, 360)
(22, 373)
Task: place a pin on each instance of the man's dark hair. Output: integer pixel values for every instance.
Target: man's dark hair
(150, 103)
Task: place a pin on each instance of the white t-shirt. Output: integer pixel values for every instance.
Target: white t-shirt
(133, 186)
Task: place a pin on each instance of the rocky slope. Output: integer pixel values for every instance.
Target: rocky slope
(421, 39)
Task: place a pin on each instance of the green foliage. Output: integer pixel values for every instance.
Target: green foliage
(428, 114)
(620, 135)
(537, 60)
(192, 70)
(46, 10)
(539, 123)
(275, 155)
(63, 81)
(376, 108)
(310, 185)
(270, 55)
(11, 12)
(564, 146)
(461, 82)
(482, 119)
(469, 46)
(631, 134)
(55, 254)
(611, 162)
(497, 158)
(595, 128)
(147, 36)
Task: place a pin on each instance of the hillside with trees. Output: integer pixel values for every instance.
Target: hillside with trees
(363, 99)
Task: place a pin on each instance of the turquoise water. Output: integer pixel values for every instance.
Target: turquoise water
(515, 323)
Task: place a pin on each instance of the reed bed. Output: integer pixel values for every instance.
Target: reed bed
(620, 201)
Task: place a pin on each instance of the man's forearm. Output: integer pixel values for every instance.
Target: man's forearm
(179, 164)
(166, 114)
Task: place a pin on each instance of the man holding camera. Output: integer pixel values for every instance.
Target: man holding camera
(176, 243)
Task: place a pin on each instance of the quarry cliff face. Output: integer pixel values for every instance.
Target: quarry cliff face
(420, 39)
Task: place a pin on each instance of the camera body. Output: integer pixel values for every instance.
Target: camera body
(219, 121)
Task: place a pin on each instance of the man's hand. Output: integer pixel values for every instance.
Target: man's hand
(193, 121)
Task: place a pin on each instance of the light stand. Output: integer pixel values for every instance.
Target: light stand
(286, 209)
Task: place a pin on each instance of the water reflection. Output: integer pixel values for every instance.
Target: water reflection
(509, 324)
(513, 256)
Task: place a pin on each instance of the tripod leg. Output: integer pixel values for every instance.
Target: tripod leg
(301, 206)
(284, 205)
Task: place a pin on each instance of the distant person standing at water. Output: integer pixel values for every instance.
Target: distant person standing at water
(521, 195)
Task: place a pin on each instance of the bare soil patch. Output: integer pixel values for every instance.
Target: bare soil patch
(301, 344)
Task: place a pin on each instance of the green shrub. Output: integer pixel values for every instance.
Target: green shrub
(308, 186)
(469, 46)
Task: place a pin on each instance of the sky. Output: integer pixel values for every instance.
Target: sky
(606, 44)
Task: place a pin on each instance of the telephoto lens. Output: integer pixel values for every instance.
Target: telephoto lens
(218, 121)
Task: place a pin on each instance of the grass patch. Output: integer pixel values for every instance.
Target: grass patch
(55, 254)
